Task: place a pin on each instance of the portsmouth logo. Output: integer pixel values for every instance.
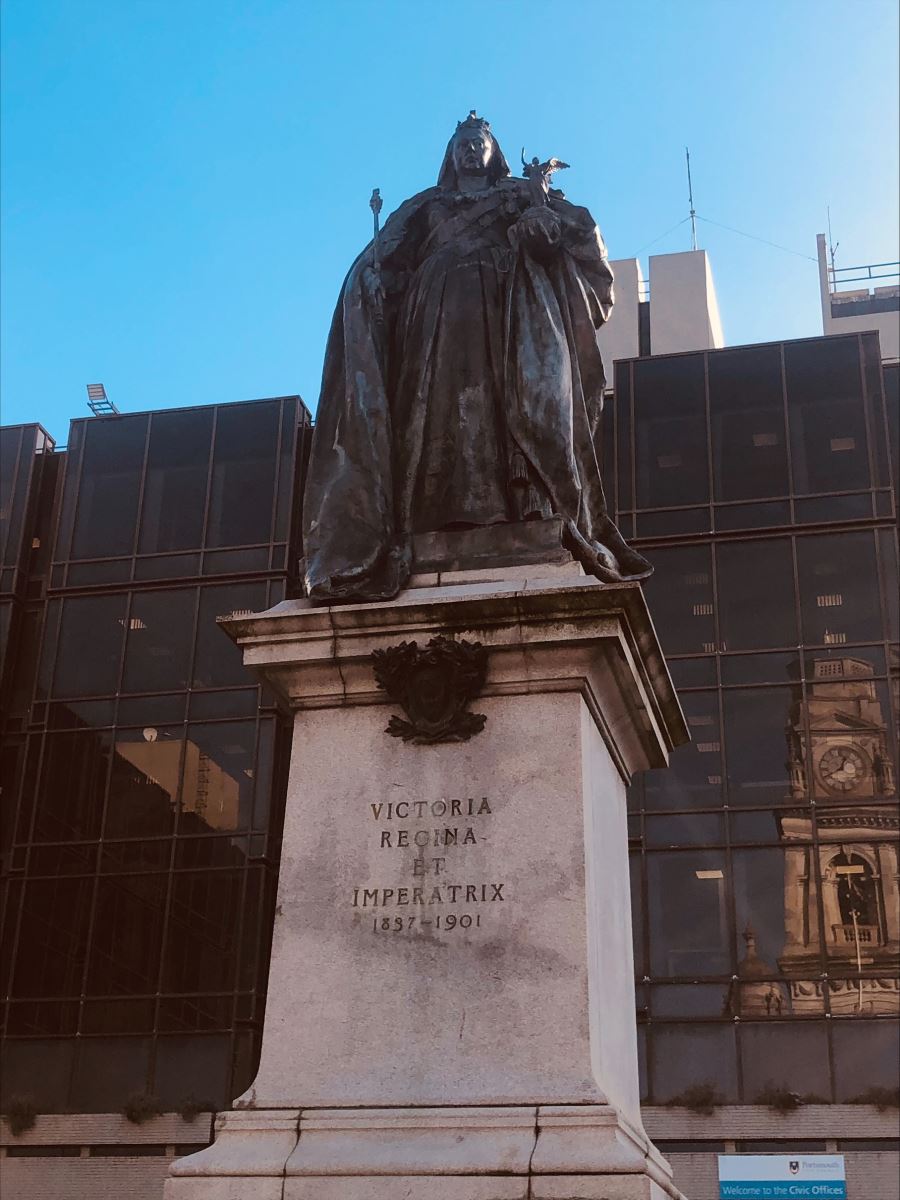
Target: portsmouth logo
(794, 1167)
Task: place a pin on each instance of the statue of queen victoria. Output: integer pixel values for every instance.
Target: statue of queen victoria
(463, 383)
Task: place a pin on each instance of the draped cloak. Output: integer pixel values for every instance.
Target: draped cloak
(471, 397)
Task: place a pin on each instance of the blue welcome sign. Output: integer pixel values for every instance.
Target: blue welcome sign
(782, 1177)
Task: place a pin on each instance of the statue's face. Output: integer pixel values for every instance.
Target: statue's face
(472, 151)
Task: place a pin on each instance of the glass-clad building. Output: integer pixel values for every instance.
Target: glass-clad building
(142, 768)
(764, 860)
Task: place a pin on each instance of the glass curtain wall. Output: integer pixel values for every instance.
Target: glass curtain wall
(765, 859)
(143, 805)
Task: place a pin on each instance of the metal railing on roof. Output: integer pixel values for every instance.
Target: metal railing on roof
(838, 277)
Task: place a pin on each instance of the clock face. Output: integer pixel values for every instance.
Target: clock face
(842, 768)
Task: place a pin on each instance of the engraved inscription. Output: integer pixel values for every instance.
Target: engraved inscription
(422, 838)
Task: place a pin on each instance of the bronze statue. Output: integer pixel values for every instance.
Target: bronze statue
(463, 383)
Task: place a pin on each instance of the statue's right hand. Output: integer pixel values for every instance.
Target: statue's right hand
(372, 288)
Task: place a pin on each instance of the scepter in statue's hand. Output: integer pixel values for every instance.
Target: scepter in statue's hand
(375, 204)
(372, 275)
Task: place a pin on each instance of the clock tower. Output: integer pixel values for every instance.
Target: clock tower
(840, 757)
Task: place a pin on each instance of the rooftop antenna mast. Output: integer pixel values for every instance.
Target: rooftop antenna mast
(832, 246)
(687, 155)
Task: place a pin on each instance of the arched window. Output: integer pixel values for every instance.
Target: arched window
(855, 889)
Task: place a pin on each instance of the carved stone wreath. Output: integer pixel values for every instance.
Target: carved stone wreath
(433, 687)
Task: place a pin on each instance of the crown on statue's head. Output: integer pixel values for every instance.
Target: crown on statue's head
(473, 121)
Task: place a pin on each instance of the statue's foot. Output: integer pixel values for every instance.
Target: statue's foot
(625, 567)
(633, 565)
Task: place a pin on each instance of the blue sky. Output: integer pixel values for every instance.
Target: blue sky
(185, 182)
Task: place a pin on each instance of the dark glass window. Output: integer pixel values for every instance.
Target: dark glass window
(109, 486)
(174, 500)
(9, 915)
(687, 903)
(217, 790)
(6, 614)
(772, 891)
(859, 909)
(789, 1056)
(72, 786)
(108, 1069)
(747, 415)
(865, 1056)
(768, 825)
(684, 829)
(668, 522)
(852, 507)
(203, 931)
(17, 457)
(53, 937)
(108, 904)
(218, 661)
(756, 594)
(26, 661)
(292, 460)
(263, 775)
(40, 1068)
(839, 592)
(637, 916)
(760, 668)
(243, 481)
(143, 787)
(117, 1016)
(758, 723)
(875, 383)
(693, 778)
(890, 593)
(10, 454)
(693, 672)
(687, 1055)
(670, 432)
(127, 934)
(258, 913)
(160, 639)
(31, 1017)
(891, 378)
(194, 1066)
(622, 402)
(829, 451)
(153, 710)
(754, 516)
(151, 854)
(680, 598)
(97, 622)
(688, 1000)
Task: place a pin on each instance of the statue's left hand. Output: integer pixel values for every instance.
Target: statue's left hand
(538, 228)
(373, 288)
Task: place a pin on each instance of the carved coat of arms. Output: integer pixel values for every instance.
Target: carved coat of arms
(433, 686)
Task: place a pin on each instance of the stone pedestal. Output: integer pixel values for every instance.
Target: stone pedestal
(450, 1007)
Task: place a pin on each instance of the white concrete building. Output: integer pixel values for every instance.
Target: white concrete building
(867, 306)
(677, 310)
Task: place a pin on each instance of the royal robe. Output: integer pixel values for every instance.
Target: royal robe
(470, 397)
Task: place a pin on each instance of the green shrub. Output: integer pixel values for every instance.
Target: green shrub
(141, 1107)
(881, 1097)
(700, 1098)
(21, 1114)
(191, 1108)
(779, 1099)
